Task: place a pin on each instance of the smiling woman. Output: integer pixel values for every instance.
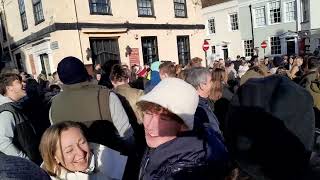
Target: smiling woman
(67, 155)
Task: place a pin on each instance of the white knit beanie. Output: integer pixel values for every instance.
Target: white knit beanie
(177, 96)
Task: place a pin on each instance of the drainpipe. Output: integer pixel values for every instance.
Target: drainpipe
(77, 24)
(252, 34)
(7, 34)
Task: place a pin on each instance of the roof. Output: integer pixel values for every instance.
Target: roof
(206, 3)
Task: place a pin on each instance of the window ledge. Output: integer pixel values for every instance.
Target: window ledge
(103, 14)
(147, 16)
(39, 22)
(181, 16)
(304, 22)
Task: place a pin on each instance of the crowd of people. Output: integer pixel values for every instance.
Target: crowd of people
(236, 119)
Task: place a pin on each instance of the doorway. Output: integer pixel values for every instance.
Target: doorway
(291, 46)
(104, 49)
(225, 52)
(45, 65)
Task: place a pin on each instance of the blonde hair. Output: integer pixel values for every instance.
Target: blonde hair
(50, 143)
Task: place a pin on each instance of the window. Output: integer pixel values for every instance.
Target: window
(305, 10)
(275, 45)
(248, 48)
(37, 11)
(100, 7)
(149, 49)
(180, 8)
(290, 11)
(234, 22)
(211, 26)
(183, 49)
(260, 19)
(275, 13)
(213, 49)
(3, 28)
(23, 15)
(145, 7)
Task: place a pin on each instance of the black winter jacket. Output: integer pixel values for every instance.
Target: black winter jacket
(187, 157)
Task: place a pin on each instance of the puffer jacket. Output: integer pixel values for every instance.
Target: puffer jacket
(187, 157)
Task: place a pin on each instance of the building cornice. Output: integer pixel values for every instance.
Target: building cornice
(45, 32)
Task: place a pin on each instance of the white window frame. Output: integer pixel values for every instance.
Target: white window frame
(287, 11)
(214, 26)
(264, 16)
(231, 22)
(269, 14)
(270, 45)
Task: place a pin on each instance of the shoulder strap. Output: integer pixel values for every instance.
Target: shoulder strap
(103, 103)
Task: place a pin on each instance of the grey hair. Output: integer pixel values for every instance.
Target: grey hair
(197, 76)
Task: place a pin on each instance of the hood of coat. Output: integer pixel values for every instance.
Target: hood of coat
(4, 99)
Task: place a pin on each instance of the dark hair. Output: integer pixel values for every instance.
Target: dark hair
(313, 62)
(7, 80)
(119, 73)
(169, 68)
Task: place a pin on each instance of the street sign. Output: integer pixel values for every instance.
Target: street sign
(205, 45)
(264, 45)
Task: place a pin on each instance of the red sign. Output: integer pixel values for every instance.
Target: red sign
(134, 56)
(205, 45)
(263, 45)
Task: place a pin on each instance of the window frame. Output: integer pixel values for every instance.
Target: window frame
(305, 11)
(38, 3)
(209, 26)
(155, 48)
(278, 46)
(108, 6)
(152, 9)
(287, 11)
(23, 15)
(264, 17)
(248, 47)
(186, 39)
(213, 49)
(270, 14)
(4, 36)
(236, 23)
(185, 9)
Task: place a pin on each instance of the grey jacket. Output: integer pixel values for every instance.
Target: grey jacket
(7, 125)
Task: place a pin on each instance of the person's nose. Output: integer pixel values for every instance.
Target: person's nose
(79, 151)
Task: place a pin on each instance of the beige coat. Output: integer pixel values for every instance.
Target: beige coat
(132, 95)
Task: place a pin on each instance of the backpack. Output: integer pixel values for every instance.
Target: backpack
(25, 136)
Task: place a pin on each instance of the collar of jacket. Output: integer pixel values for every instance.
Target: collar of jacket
(123, 86)
(203, 101)
(315, 86)
(81, 85)
(184, 150)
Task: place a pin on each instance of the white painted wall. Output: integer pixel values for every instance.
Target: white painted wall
(224, 35)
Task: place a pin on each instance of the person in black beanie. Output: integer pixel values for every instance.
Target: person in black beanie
(83, 101)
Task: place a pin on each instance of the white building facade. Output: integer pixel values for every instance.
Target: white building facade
(223, 30)
(270, 21)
